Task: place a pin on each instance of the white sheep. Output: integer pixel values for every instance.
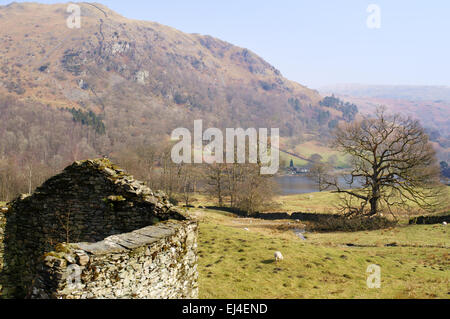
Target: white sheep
(278, 256)
(444, 223)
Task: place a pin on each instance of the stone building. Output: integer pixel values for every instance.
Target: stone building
(95, 232)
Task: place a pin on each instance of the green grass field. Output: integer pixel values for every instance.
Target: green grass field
(236, 257)
(312, 147)
(327, 202)
(324, 202)
(236, 263)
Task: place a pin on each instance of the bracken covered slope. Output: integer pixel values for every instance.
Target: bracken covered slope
(157, 76)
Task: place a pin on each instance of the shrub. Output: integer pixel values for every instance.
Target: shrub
(430, 220)
(343, 224)
(174, 201)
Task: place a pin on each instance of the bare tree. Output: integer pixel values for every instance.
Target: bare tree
(234, 174)
(216, 182)
(320, 173)
(188, 175)
(254, 191)
(65, 222)
(393, 163)
(169, 173)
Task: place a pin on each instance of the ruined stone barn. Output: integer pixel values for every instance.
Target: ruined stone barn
(95, 232)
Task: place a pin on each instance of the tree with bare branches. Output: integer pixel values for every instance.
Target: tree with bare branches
(393, 164)
(319, 172)
(254, 191)
(216, 178)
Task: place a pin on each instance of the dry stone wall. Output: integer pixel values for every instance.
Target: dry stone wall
(2, 246)
(88, 202)
(158, 262)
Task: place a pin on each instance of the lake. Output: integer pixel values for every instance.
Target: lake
(296, 184)
(299, 184)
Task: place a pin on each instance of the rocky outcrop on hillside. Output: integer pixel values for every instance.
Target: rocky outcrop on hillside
(142, 66)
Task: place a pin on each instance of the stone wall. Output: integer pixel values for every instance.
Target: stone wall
(2, 250)
(88, 202)
(430, 220)
(156, 262)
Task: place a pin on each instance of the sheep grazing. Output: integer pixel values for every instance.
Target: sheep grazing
(278, 256)
(444, 223)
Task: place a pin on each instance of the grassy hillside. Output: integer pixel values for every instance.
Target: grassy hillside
(305, 150)
(313, 147)
(286, 160)
(235, 263)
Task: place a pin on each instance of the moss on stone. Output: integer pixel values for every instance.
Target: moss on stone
(63, 248)
(118, 198)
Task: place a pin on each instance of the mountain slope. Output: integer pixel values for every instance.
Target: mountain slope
(155, 72)
(429, 104)
(119, 87)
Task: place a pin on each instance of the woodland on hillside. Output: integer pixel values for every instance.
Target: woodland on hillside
(39, 141)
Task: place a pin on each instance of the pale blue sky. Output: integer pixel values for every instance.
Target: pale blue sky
(320, 42)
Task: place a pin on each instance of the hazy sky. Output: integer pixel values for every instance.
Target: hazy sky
(320, 42)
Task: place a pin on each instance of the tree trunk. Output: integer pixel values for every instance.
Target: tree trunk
(219, 194)
(374, 201)
(373, 206)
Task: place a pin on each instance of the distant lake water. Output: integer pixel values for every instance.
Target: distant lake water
(298, 184)
(293, 185)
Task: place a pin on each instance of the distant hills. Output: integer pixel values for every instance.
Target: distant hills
(429, 104)
(398, 92)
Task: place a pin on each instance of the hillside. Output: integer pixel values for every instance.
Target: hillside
(154, 72)
(429, 104)
(117, 87)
